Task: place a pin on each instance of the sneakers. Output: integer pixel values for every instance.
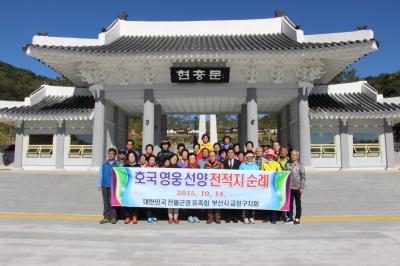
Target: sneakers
(210, 221)
(105, 221)
(289, 221)
(251, 220)
(217, 221)
(193, 219)
(246, 220)
(134, 220)
(152, 220)
(127, 220)
(296, 221)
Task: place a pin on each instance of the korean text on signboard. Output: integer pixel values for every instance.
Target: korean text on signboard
(200, 188)
(199, 74)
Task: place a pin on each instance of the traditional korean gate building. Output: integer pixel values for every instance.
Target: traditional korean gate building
(248, 67)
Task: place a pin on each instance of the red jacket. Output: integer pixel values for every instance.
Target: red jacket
(193, 166)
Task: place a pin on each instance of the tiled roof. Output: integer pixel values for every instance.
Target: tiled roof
(54, 106)
(211, 43)
(355, 102)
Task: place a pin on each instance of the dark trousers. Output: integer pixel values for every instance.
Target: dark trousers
(272, 215)
(295, 196)
(249, 213)
(282, 215)
(232, 215)
(109, 211)
(214, 214)
(129, 212)
(149, 213)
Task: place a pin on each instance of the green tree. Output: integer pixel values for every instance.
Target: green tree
(347, 75)
(17, 83)
(387, 84)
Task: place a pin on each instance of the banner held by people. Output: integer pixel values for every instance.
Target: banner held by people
(200, 188)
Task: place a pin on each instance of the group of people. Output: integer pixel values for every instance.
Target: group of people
(208, 156)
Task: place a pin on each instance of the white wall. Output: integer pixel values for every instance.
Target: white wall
(327, 126)
(48, 127)
(355, 125)
(39, 127)
(76, 127)
(371, 125)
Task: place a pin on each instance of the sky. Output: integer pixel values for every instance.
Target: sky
(20, 20)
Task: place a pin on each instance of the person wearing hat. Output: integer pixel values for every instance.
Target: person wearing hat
(122, 157)
(283, 159)
(271, 165)
(249, 164)
(164, 153)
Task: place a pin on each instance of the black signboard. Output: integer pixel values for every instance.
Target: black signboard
(199, 74)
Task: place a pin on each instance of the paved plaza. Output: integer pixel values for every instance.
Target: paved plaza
(52, 218)
(85, 242)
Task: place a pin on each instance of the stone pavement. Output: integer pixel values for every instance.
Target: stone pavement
(81, 240)
(66, 242)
